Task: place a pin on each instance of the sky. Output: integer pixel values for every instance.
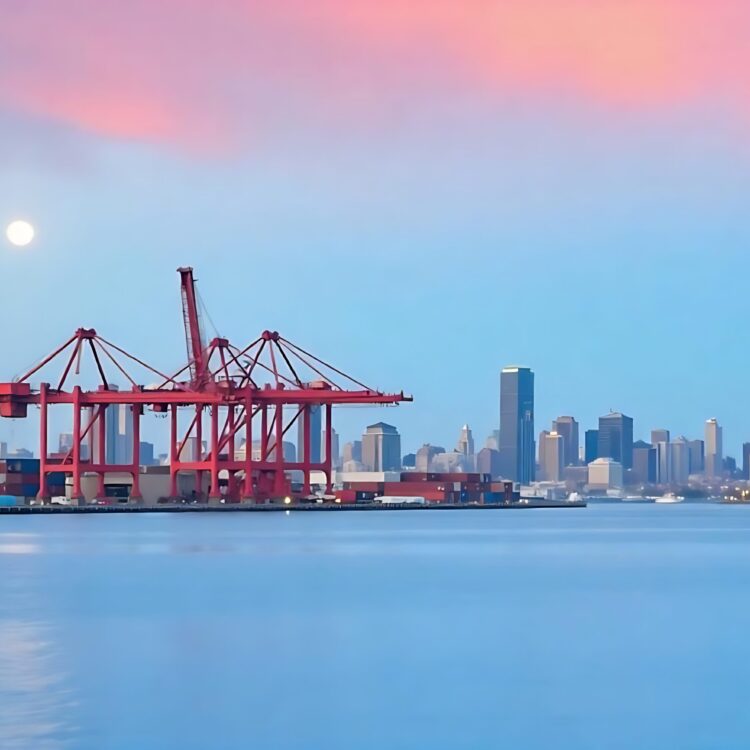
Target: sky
(419, 192)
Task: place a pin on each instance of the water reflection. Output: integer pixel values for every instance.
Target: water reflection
(34, 700)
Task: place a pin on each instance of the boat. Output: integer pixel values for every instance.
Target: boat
(670, 497)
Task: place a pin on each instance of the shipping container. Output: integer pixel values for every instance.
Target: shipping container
(22, 465)
(8, 501)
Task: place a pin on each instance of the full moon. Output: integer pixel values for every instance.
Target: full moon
(19, 233)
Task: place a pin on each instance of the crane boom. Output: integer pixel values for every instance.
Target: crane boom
(193, 333)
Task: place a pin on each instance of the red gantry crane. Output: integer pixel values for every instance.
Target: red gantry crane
(251, 397)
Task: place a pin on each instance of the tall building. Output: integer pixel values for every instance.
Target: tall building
(644, 463)
(714, 454)
(381, 448)
(551, 456)
(352, 452)
(119, 434)
(591, 446)
(679, 450)
(697, 456)
(65, 442)
(659, 436)
(316, 421)
(616, 439)
(517, 455)
(426, 455)
(567, 428)
(335, 453)
(465, 443)
(663, 462)
(746, 460)
(488, 462)
(146, 453)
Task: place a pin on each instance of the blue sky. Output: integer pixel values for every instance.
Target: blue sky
(424, 250)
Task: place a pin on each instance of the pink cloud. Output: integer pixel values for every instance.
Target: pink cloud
(206, 75)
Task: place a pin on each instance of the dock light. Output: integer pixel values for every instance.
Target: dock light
(338, 499)
(287, 500)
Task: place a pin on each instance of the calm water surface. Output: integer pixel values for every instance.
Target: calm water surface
(607, 627)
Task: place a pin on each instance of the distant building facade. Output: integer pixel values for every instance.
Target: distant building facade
(591, 446)
(679, 450)
(605, 474)
(517, 455)
(488, 462)
(616, 439)
(381, 448)
(567, 429)
(714, 449)
(551, 456)
(644, 463)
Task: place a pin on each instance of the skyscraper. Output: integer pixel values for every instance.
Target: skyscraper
(591, 446)
(316, 420)
(567, 428)
(465, 443)
(551, 452)
(644, 463)
(714, 455)
(517, 459)
(679, 450)
(616, 438)
(663, 461)
(697, 456)
(659, 436)
(381, 447)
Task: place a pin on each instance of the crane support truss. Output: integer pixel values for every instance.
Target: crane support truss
(241, 403)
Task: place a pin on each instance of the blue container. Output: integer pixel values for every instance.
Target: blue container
(22, 465)
(8, 501)
(29, 490)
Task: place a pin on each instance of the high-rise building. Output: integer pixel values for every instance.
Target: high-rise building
(65, 442)
(659, 436)
(335, 454)
(567, 428)
(591, 446)
(381, 447)
(697, 456)
(315, 418)
(616, 438)
(541, 446)
(493, 441)
(663, 462)
(679, 450)
(551, 456)
(517, 455)
(426, 455)
(146, 453)
(488, 462)
(352, 452)
(644, 463)
(119, 434)
(465, 443)
(714, 453)
(746, 460)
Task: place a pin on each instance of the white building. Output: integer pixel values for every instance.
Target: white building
(605, 474)
(714, 455)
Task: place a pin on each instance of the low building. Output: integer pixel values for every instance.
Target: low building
(605, 474)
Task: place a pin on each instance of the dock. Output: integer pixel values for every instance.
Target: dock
(274, 508)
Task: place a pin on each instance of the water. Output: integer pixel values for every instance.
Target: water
(607, 627)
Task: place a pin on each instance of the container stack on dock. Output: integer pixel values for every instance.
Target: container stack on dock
(450, 488)
(19, 477)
